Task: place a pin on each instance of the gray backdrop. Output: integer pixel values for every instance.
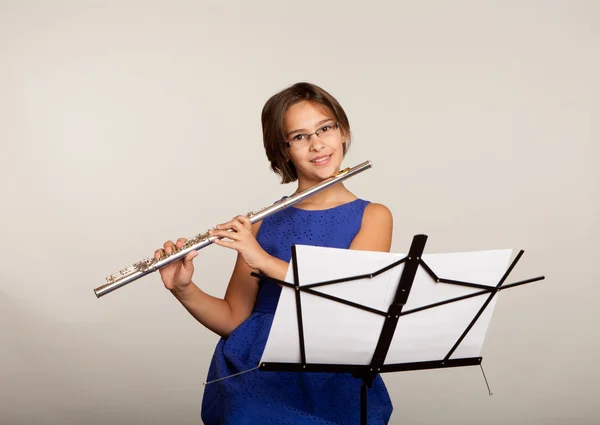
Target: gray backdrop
(128, 123)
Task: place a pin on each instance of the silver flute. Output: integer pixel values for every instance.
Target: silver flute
(149, 265)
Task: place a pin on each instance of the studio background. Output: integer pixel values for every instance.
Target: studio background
(127, 123)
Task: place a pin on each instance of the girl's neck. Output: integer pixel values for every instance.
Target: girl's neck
(331, 197)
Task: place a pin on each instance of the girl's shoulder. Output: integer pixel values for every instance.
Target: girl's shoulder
(377, 211)
(377, 216)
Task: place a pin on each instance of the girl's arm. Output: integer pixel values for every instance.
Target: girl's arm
(222, 316)
(375, 232)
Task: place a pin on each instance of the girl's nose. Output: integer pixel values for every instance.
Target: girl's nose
(316, 143)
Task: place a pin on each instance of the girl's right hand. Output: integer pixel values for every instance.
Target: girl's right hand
(177, 275)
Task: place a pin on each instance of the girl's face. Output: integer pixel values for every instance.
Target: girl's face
(315, 156)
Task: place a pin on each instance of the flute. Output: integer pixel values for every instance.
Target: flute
(149, 265)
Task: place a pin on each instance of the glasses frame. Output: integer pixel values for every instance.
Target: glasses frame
(335, 125)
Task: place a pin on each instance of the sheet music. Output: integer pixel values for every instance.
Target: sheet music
(339, 334)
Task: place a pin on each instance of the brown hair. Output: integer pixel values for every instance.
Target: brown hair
(272, 117)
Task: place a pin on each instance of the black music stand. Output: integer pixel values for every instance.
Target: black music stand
(367, 373)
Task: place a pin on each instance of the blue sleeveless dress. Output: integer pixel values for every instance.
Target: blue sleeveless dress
(291, 398)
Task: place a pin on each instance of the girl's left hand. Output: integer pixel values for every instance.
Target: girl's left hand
(239, 230)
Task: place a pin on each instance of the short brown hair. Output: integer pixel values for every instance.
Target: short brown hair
(272, 118)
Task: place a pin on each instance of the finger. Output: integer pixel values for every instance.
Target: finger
(169, 246)
(221, 226)
(241, 225)
(237, 226)
(245, 221)
(180, 242)
(226, 226)
(226, 234)
(188, 259)
(225, 243)
(234, 223)
(158, 253)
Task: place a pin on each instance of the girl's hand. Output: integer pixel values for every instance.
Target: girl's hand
(177, 275)
(239, 230)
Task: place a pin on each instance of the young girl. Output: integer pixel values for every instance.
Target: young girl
(306, 135)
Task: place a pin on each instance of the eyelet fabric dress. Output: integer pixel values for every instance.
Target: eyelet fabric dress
(291, 398)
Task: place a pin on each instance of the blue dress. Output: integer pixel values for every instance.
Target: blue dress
(292, 398)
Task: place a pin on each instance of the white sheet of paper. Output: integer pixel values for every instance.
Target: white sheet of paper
(339, 334)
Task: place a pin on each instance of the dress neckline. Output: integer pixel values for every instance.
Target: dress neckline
(326, 209)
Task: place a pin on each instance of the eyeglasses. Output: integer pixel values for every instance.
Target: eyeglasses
(325, 132)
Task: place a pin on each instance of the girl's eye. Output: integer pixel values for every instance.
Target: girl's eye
(324, 129)
(299, 137)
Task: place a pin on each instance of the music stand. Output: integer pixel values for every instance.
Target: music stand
(391, 317)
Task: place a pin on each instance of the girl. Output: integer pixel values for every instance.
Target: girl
(306, 135)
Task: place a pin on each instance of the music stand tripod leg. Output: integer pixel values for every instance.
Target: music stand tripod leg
(363, 403)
